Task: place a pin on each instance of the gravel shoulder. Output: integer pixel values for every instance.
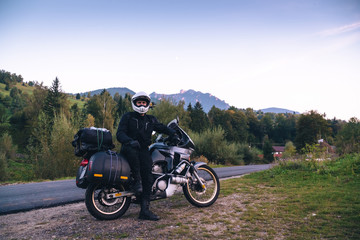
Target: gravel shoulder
(73, 221)
(179, 220)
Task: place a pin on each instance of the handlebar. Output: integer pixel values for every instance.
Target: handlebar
(168, 140)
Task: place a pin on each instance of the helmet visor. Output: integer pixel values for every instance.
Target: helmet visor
(142, 102)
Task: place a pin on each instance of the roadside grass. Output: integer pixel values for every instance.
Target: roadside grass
(21, 172)
(18, 172)
(293, 200)
(314, 199)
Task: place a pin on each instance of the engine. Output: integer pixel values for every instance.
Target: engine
(157, 169)
(162, 185)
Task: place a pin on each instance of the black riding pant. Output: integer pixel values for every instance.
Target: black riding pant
(140, 163)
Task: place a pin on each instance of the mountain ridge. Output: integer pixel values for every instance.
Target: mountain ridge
(278, 110)
(121, 90)
(189, 96)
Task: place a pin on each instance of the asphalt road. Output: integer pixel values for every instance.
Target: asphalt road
(24, 197)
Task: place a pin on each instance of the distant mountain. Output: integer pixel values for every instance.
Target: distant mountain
(112, 91)
(190, 96)
(278, 110)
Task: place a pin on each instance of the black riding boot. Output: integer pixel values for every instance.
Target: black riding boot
(145, 213)
(137, 186)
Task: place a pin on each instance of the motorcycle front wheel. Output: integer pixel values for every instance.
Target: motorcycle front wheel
(102, 208)
(202, 195)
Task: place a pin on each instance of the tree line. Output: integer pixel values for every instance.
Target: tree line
(37, 129)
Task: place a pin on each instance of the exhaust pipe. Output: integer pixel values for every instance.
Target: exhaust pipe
(178, 180)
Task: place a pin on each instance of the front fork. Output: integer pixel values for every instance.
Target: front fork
(193, 169)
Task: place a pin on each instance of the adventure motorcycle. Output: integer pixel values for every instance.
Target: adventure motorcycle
(108, 182)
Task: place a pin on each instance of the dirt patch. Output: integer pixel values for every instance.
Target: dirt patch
(228, 218)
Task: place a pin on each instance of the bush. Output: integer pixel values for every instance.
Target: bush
(290, 150)
(212, 144)
(348, 165)
(230, 154)
(348, 139)
(61, 149)
(248, 154)
(267, 150)
(20, 171)
(7, 147)
(54, 155)
(3, 167)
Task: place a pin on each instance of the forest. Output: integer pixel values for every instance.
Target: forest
(38, 123)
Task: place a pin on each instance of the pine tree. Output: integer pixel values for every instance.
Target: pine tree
(267, 149)
(199, 120)
(52, 103)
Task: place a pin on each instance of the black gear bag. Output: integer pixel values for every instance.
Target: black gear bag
(91, 140)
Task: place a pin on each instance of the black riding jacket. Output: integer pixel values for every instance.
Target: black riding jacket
(133, 126)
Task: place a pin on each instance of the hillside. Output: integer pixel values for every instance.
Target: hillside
(23, 87)
(112, 91)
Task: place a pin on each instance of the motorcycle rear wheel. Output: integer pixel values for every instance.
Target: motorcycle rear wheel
(196, 194)
(102, 208)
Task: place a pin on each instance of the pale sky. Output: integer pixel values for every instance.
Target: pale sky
(299, 55)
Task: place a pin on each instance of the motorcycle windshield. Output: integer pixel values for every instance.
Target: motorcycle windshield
(186, 141)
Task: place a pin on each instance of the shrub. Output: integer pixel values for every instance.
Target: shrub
(212, 144)
(54, 155)
(248, 154)
(7, 147)
(3, 167)
(348, 139)
(290, 150)
(61, 149)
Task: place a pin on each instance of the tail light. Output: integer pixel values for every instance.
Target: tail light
(84, 162)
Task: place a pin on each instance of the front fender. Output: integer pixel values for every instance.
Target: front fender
(198, 164)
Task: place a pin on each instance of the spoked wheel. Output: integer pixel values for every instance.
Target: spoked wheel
(101, 207)
(202, 195)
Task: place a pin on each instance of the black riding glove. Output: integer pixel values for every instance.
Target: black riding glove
(134, 144)
(175, 139)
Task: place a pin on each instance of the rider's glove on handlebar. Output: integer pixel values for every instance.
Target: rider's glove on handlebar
(175, 139)
(134, 144)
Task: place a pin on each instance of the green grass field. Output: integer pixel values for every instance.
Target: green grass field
(311, 200)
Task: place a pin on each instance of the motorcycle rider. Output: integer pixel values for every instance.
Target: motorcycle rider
(134, 133)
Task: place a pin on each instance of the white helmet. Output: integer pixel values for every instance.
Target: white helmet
(141, 96)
